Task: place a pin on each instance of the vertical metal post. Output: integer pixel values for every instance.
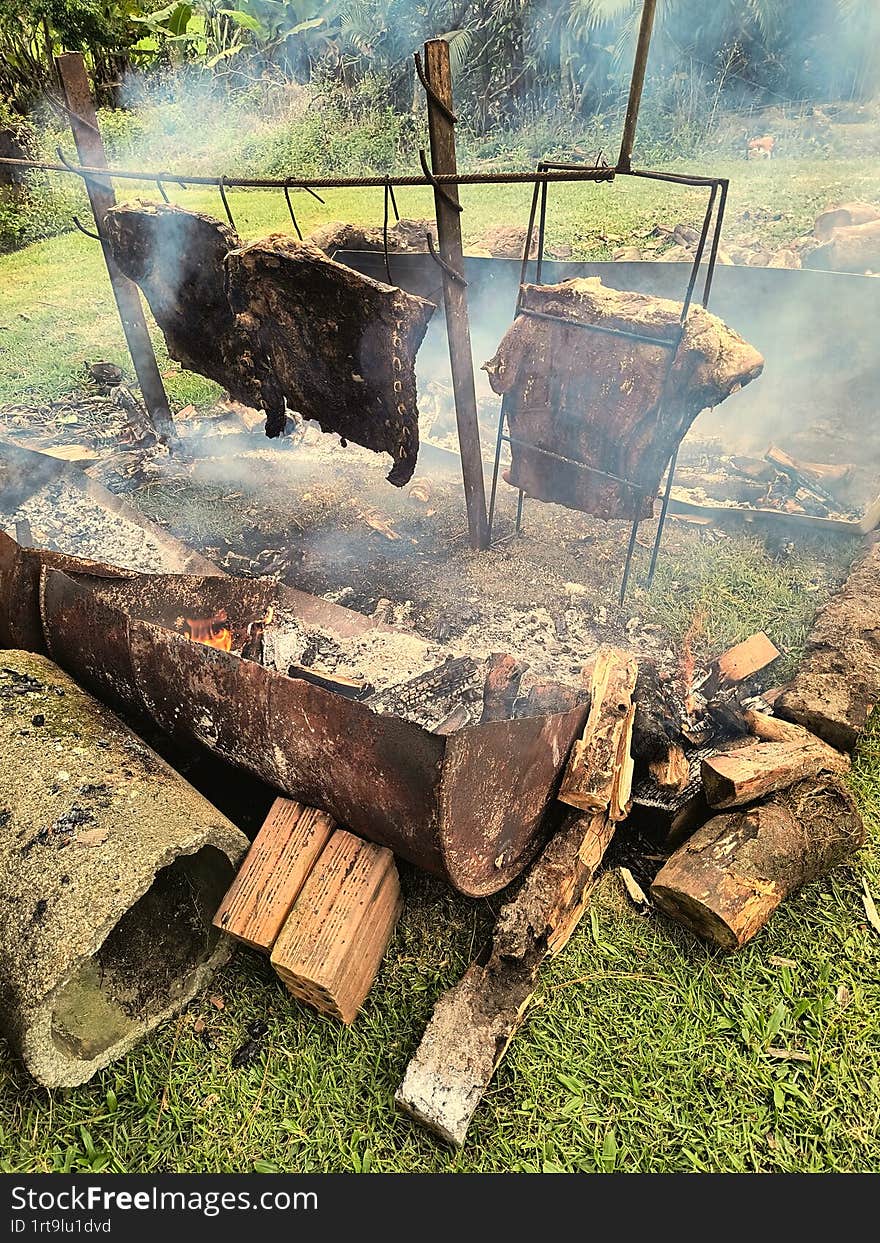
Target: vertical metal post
(637, 82)
(90, 149)
(441, 129)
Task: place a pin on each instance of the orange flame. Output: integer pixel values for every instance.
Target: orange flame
(688, 661)
(212, 631)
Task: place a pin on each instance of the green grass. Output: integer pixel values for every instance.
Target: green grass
(645, 1050)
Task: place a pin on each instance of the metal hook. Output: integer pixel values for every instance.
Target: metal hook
(438, 188)
(103, 182)
(389, 190)
(441, 262)
(161, 189)
(82, 228)
(431, 93)
(292, 216)
(309, 190)
(221, 185)
(385, 233)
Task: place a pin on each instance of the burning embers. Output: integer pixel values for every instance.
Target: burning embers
(212, 631)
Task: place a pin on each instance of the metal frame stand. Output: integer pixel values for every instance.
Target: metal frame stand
(718, 187)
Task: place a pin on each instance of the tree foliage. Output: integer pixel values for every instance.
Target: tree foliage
(528, 53)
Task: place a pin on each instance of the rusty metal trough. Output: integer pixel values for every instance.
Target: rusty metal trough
(472, 806)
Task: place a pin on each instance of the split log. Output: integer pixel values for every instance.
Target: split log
(838, 683)
(280, 325)
(273, 873)
(854, 248)
(501, 687)
(845, 215)
(474, 1022)
(600, 768)
(334, 939)
(350, 688)
(594, 397)
(786, 754)
(739, 662)
(811, 474)
(725, 882)
(657, 722)
(672, 771)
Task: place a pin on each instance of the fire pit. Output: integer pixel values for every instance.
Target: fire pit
(467, 802)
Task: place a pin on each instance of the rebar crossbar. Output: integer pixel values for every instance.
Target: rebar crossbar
(377, 181)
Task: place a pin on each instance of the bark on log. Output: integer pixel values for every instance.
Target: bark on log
(593, 397)
(277, 322)
(788, 753)
(725, 882)
(600, 768)
(838, 683)
(474, 1021)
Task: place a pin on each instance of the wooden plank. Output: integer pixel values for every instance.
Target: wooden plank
(90, 149)
(273, 873)
(332, 943)
(599, 771)
(441, 131)
(474, 1022)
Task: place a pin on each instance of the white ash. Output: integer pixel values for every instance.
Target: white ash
(64, 518)
(382, 658)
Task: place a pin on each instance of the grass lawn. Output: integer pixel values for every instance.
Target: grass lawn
(645, 1050)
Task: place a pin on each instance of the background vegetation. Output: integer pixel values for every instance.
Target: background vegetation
(313, 85)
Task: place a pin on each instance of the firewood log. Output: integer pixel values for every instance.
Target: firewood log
(838, 683)
(671, 771)
(474, 1021)
(727, 880)
(786, 754)
(501, 687)
(600, 768)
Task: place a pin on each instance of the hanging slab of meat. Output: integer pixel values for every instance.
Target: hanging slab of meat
(177, 257)
(595, 397)
(276, 321)
(341, 346)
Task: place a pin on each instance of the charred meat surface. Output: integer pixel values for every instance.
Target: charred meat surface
(277, 322)
(341, 345)
(178, 259)
(600, 399)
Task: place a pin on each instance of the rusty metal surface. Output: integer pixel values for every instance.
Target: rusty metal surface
(20, 568)
(469, 806)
